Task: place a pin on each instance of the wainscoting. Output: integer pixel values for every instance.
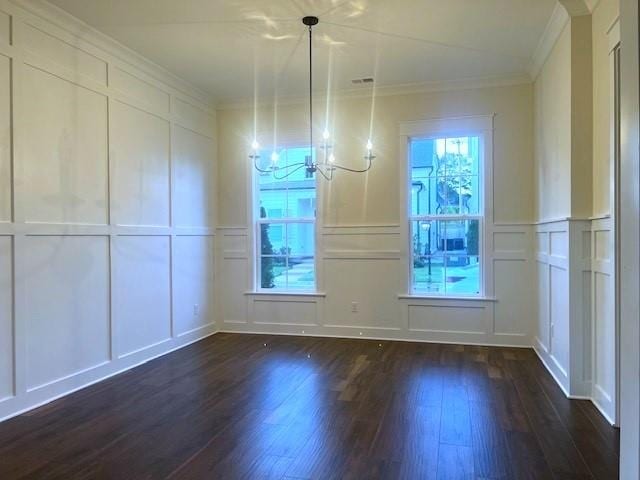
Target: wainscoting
(107, 187)
(603, 317)
(552, 269)
(576, 328)
(565, 293)
(364, 264)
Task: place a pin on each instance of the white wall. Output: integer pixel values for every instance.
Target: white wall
(553, 193)
(552, 113)
(603, 296)
(576, 327)
(362, 250)
(604, 16)
(107, 208)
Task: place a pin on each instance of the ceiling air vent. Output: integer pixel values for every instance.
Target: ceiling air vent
(358, 81)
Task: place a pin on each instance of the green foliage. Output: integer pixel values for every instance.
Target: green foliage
(455, 183)
(472, 239)
(267, 249)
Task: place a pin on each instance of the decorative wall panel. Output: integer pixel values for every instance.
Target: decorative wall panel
(142, 292)
(67, 299)
(65, 151)
(94, 276)
(139, 155)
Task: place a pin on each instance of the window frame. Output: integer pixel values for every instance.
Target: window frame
(472, 126)
(258, 221)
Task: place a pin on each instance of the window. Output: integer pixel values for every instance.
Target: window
(446, 215)
(285, 213)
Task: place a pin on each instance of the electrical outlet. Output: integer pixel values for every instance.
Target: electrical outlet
(196, 310)
(354, 307)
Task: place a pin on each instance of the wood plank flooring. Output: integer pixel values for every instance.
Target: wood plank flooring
(274, 407)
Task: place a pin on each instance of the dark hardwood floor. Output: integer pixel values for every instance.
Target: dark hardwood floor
(275, 407)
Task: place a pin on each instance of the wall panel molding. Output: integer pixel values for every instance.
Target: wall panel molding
(576, 330)
(81, 297)
(604, 365)
(372, 255)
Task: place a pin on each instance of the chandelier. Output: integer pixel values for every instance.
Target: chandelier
(327, 164)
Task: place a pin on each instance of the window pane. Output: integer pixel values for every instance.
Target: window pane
(445, 257)
(423, 177)
(272, 239)
(273, 202)
(423, 196)
(301, 273)
(273, 272)
(470, 197)
(459, 236)
(300, 239)
(472, 237)
(447, 195)
(462, 275)
(445, 176)
(445, 180)
(288, 192)
(448, 161)
(428, 275)
(293, 196)
(426, 235)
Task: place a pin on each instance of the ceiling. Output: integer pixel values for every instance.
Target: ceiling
(228, 47)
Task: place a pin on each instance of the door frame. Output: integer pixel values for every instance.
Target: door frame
(630, 242)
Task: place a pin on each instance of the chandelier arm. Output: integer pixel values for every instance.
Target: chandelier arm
(355, 170)
(286, 167)
(287, 174)
(260, 169)
(326, 177)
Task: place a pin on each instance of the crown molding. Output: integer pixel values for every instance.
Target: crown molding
(592, 4)
(80, 29)
(579, 8)
(553, 30)
(386, 91)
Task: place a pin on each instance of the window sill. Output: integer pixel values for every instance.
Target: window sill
(281, 293)
(416, 296)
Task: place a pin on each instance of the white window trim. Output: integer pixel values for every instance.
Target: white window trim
(289, 140)
(479, 125)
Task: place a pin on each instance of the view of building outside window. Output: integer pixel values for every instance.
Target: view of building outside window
(286, 223)
(446, 215)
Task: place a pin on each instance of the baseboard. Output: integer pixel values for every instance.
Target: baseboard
(537, 345)
(603, 412)
(39, 403)
(564, 390)
(377, 338)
